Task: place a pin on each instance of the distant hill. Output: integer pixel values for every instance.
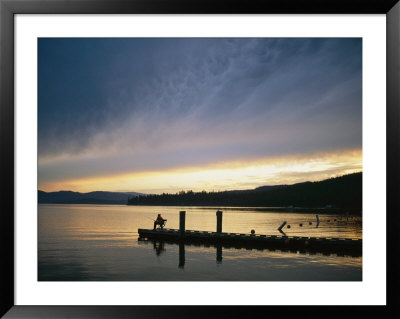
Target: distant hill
(269, 188)
(68, 197)
(339, 192)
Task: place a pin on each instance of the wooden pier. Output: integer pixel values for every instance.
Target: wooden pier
(332, 245)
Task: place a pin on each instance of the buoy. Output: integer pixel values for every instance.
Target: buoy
(253, 231)
(288, 226)
(301, 225)
(334, 220)
(281, 226)
(329, 220)
(310, 223)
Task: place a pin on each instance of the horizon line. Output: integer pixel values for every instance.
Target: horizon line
(305, 181)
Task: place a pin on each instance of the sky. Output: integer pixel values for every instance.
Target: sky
(156, 115)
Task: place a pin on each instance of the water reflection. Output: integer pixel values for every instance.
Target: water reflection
(219, 254)
(159, 247)
(181, 255)
(87, 242)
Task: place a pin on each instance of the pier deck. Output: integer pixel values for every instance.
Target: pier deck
(337, 245)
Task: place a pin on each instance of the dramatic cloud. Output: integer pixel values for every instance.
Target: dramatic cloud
(118, 106)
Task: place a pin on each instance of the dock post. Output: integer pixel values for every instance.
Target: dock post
(219, 221)
(182, 215)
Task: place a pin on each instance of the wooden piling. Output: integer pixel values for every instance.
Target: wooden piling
(219, 221)
(182, 215)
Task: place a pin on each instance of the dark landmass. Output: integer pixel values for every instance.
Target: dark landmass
(68, 197)
(343, 192)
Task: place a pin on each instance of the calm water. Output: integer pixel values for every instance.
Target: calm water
(100, 242)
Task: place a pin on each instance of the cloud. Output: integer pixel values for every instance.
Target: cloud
(145, 104)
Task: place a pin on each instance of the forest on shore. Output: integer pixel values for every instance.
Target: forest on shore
(339, 192)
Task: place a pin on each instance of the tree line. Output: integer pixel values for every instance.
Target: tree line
(339, 192)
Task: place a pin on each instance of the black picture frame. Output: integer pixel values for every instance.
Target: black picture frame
(8, 8)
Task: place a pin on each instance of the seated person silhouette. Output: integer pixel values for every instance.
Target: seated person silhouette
(159, 221)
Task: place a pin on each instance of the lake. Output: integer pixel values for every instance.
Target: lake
(100, 243)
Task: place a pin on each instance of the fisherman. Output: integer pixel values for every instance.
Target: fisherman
(159, 221)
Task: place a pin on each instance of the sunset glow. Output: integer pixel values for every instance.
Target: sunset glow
(222, 176)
